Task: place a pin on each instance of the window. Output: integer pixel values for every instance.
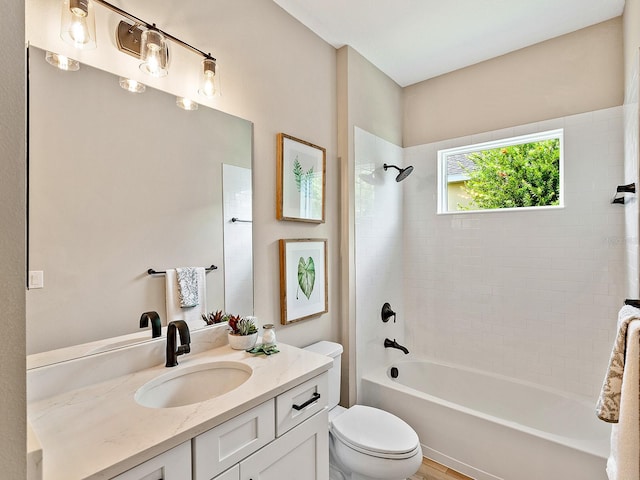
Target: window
(519, 172)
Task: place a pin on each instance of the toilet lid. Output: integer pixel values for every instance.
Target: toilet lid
(375, 432)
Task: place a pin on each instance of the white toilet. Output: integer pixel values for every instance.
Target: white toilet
(366, 443)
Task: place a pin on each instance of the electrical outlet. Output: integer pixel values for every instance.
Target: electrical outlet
(36, 279)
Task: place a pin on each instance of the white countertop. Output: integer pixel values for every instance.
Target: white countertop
(99, 431)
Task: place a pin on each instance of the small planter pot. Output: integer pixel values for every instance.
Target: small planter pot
(242, 342)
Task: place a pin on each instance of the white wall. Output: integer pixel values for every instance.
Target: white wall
(631, 33)
(238, 239)
(378, 250)
(531, 294)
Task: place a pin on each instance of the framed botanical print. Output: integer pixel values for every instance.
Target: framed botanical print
(303, 279)
(301, 181)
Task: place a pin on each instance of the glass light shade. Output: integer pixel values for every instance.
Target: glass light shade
(186, 103)
(154, 53)
(131, 85)
(62, 62)
(210, 81)
(78, 25)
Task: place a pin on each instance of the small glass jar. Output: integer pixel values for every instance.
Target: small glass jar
(268, 334)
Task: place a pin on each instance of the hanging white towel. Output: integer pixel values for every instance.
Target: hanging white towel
(624, 460)
(191, 315)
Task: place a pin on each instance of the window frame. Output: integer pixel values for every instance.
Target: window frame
(443, 184)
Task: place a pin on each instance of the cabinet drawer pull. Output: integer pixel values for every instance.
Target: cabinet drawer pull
(314, 398)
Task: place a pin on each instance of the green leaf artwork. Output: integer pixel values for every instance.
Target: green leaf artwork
(306, 276)
(302, 178)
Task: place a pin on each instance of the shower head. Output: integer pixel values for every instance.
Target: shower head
(404, 172)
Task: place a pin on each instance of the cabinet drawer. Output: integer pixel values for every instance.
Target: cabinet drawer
(174, 464)
(225, 445)
(301, 402)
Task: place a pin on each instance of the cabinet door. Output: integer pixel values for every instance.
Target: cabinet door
(174, 464)
(225, 445)
(301, 453)
(232, 474)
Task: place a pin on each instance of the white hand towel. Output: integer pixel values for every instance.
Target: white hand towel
(624, 460)
(191, 315)
(608, 407)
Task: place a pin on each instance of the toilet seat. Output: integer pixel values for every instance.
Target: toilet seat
(376, 433)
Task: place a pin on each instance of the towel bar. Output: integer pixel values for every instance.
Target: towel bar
(630, 188)
(633, 303)
(151, 271)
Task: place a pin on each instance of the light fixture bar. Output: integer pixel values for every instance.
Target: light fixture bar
(139, 21)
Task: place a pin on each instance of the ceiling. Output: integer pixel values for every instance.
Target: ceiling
(413, 40)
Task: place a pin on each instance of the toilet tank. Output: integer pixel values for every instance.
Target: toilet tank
(333, 350)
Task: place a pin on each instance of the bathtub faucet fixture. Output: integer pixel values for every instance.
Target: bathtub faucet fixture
(393, 344)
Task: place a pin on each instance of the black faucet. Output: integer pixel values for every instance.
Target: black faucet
(185, 341)
(156, 325)
(393, 344)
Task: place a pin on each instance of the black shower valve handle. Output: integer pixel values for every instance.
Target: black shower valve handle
(387, 313)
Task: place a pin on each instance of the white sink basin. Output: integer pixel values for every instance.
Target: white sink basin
(192, 384)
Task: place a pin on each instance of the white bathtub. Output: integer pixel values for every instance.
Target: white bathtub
(491, 427)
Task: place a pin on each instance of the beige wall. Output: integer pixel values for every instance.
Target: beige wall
(12, 243)
(574, 73)
(282, 77)
(631, 38)
(368, 99)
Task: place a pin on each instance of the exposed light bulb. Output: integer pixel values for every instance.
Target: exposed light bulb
(186, 103)
(131, 85)
(154, 53)
(209, 82)
(77, 25)
(62, 62)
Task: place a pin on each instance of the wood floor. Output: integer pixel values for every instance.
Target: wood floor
(430, 470)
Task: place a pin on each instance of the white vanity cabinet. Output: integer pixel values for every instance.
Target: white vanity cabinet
(302, 453)
(275, 425)
(286, 437)
(174, 464)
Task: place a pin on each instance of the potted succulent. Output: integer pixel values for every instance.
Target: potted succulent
(243, 334)
(216, 317)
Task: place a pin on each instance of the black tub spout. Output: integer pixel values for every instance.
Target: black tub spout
(393, 344)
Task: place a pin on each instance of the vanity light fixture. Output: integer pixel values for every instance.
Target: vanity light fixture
(186, 103)
(150, 44)
(77, 24)
(209, 83)
(62, 62)
(154, 53)
(131, 85)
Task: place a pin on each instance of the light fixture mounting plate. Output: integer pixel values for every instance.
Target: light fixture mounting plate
(128, 38)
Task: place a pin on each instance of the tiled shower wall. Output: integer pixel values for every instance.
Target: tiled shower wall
(528, 294)
(378, 250)
(631, 155)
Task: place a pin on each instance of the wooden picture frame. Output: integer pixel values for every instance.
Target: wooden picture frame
(300, 173)
(303, 279)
